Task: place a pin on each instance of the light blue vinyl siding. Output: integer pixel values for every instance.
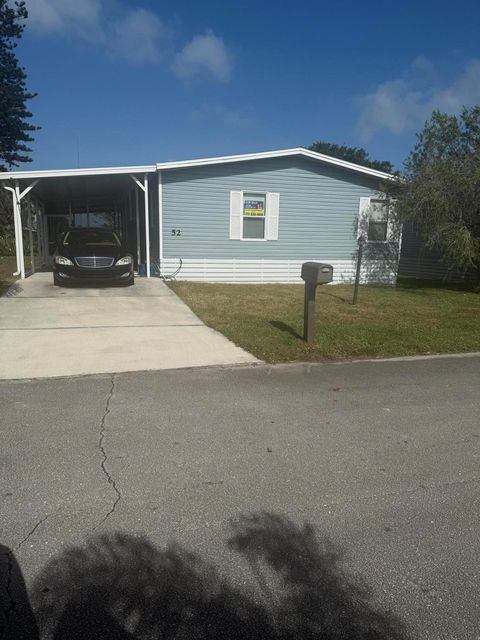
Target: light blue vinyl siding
(318, 209)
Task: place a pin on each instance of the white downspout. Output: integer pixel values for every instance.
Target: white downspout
(15, 225)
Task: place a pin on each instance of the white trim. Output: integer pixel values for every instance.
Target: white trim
(63, 173)
(296, 151)
(137, 182)
(28, 189)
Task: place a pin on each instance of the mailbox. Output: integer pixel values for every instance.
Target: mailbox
(314, 273)
(317, 272)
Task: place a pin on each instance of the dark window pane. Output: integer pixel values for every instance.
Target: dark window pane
(377, 231)
(254, 228)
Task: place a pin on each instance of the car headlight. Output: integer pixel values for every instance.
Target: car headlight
(125, 260)
(63, 260)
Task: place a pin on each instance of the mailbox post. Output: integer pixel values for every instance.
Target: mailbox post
(313, 273)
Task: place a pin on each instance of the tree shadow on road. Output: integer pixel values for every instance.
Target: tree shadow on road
(120, 586)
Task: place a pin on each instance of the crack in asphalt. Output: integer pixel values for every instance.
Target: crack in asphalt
(22, 542)
(101, 446)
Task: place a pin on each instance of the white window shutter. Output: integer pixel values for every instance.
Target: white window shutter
(273, 210)
(363, 215)
(236, 211)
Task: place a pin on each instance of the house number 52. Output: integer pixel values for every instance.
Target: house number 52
(176, 232)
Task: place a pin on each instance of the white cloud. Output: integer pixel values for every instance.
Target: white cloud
(140, 36)
(204, 54)
(405, 103)
(135, 34)
(59, 15)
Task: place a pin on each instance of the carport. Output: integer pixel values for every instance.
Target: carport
(121, 198)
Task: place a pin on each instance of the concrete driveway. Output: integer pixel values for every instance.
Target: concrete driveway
(51, 331)
(326, 491)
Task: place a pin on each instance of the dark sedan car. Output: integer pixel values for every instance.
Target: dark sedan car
(91, 256)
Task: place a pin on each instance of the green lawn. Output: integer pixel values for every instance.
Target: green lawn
(412, 318)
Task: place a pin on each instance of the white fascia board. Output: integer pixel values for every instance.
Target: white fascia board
(297, 151)
(65, 173)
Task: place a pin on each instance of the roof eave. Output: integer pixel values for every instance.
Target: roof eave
(297, 151)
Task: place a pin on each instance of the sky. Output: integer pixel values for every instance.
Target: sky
(126, 82)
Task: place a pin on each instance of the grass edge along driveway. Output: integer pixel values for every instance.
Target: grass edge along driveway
(415, 317)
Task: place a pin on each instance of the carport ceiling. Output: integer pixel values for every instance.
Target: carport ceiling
(108, 189)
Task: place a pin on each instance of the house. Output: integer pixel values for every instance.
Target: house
(247, 218)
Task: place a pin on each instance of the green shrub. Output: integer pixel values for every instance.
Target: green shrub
(7, 241)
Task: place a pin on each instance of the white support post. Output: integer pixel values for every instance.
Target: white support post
(160, 219)
(144, 188)
(17, 196)
(15, 225)
(137, 224)
(147, 225)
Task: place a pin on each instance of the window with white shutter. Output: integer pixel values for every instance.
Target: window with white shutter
(254, 216)
(375, 219)
(236, 210)
(273, 209)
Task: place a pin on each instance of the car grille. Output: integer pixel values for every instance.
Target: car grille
(93, 262)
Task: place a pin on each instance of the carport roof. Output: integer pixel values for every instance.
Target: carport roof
(66, 173)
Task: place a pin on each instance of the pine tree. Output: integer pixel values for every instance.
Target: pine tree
(14, 126)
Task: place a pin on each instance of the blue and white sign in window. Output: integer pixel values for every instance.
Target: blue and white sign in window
(254, 216)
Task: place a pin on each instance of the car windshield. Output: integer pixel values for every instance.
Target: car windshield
(91, 237)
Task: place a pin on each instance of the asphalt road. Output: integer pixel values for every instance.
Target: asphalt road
(329, 497)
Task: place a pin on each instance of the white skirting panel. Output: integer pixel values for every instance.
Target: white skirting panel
(280, 271)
